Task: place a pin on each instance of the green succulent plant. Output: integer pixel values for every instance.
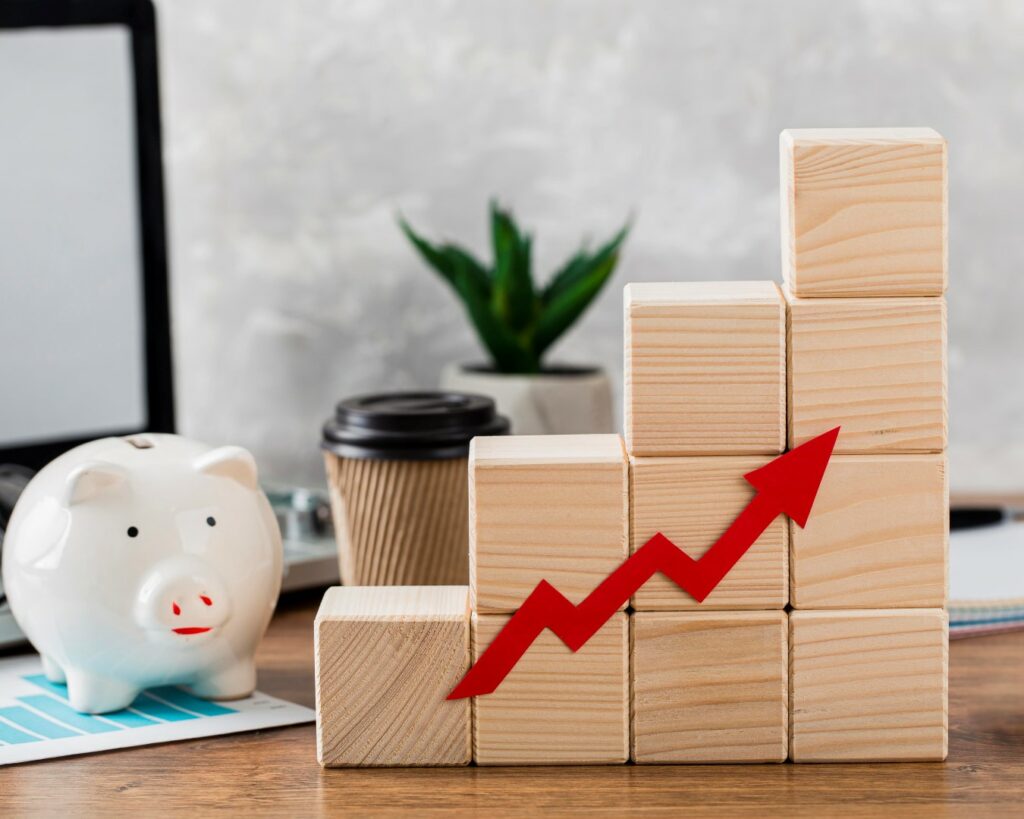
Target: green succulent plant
(516, 320)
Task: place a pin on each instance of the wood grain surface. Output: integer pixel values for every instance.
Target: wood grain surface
(864, 211)
(878, 536)
(386, 658)
(544, 507)
(692, 501)
(875, 366)
(556, 707)
(705, 368)
(868, 685)
(275, 773)
(710, 687)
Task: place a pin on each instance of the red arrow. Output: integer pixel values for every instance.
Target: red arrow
(788, 484)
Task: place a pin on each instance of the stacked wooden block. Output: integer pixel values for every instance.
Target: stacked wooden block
(553, 508)
(705, 403)
(864, 259)
(386, 658)
(823, 643)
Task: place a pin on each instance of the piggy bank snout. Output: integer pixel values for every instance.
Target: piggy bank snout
(182, 596)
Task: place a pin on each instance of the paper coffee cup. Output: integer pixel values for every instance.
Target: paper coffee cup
(397, 471)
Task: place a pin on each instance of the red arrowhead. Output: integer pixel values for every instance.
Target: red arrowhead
(791, 481)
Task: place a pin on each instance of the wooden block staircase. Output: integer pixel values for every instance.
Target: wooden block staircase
(825, 642)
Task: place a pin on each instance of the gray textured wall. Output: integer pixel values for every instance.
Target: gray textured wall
(295, 130)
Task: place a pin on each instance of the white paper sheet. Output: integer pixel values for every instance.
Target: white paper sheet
(37, 723)
(986, 565)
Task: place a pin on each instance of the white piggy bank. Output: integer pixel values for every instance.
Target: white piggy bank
(144, 561)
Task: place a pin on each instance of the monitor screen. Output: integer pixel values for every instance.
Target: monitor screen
(72, 314)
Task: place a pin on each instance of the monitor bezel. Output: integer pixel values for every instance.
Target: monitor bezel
(140, 18)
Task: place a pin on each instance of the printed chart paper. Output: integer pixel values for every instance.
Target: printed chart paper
(36, 721)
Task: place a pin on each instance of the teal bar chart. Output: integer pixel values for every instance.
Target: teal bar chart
(38, 722)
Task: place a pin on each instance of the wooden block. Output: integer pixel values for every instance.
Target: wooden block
(710, 687)
(692, 501)
(864, 211)
(386, 658)
(877, 537)
(868, 685)
(875, 366)
(544, 507)
(705, 368)
(556, 707)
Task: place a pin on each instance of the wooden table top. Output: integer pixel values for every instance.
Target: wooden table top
(276, 771)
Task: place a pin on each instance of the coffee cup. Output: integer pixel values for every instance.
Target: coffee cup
(397, 472)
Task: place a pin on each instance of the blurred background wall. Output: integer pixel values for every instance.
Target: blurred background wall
(295, 131)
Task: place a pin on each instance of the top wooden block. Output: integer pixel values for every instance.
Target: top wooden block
(705, 368)
(864, 211)
(539, 450)
(400, 603)
(544, 507)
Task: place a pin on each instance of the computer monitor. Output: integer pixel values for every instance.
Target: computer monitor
(84, 321)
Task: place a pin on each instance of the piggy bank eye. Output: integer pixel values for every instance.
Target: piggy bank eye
(133, 532)
(211, 521)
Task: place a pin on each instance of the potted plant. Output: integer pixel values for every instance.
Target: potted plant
(517, 322)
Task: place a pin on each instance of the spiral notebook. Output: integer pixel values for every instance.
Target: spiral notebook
(986, 578)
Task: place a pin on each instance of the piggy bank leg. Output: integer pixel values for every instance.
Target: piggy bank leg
(93, 694)
(54, 673)
(231, 683)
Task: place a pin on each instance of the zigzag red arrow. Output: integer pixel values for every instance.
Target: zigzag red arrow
(788, 484)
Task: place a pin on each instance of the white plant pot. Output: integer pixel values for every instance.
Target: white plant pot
(563, 400)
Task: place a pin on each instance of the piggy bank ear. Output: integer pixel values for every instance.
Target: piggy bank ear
(229, 462)
(90, 479)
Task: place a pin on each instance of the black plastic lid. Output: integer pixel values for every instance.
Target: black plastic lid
(410, 426)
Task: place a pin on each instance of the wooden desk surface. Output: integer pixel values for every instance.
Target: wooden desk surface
(276, 771)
